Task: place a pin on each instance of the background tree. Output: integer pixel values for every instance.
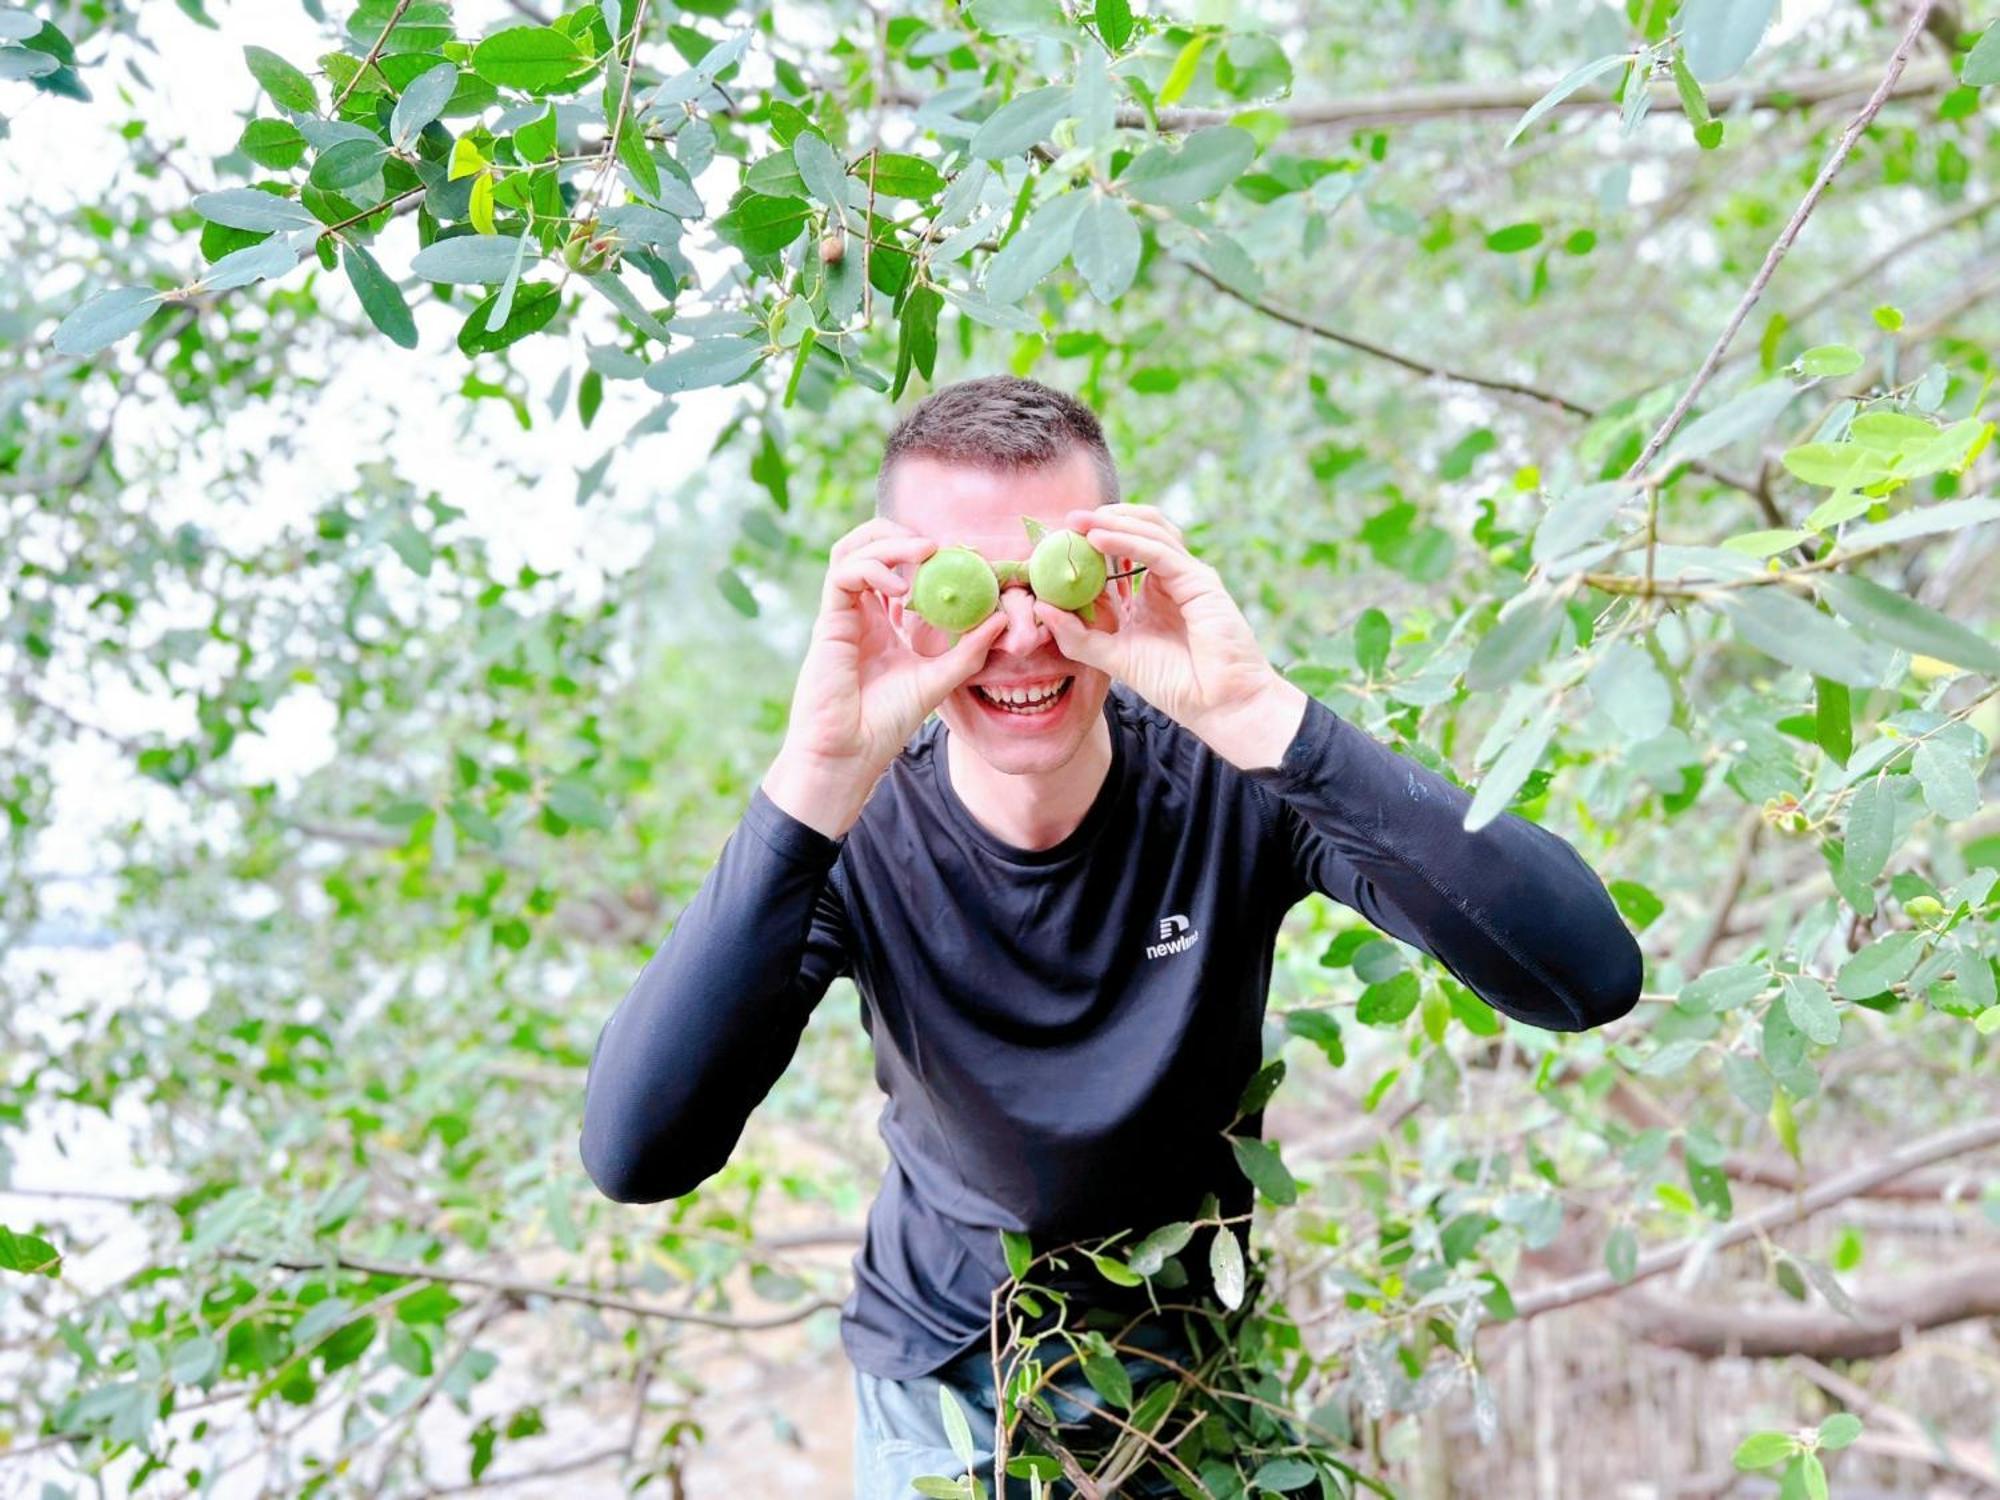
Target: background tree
(1591, 401)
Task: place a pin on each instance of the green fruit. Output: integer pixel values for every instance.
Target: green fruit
(1067, 571)
(1011, 572)
(954, 589)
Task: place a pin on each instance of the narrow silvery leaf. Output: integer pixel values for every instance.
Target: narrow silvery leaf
(1225, 1266)
(1578, 518)
(380, 297)
(1567, 85)
(1516, 763)
(963, 195)
(1747, 414)
(504, 303)
(259, 262)
(608, 285)
(247, 208)
(422, 102)
(1870, 831)
(1519, 640)
(1092, 103)
(105, 319)
(1950, 789)
(1925, 520)
(469, 259)
(18, 25)
(992, 314)
(1629, 688)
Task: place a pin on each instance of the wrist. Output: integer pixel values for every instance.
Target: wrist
(824, 794)
(1254, 734)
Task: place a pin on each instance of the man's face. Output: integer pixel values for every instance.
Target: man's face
(982, 509)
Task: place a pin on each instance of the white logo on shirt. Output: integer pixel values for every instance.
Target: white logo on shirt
(1175, 937)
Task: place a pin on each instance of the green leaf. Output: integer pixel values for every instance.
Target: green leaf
(1901, 621)
(1262, 1164)
(1516, 762)
(1389, 1002)
(1519, 640)
(1321, 1029)
(1628, 687)
(707, 362)
(1114, 23)
(737, 592)
(1871, 827)
(1106, 247)
(636, 158)
(105, 319)
(1724, 989)
(276, 144)
(1833, 719)
(1814, 1476)
(900, 175)
(1836, 466)
(1830, 360)
(1107, 1376)
(348, 164)
(1036, 249)
(1568, 84)
(1019, 18)
(535, 307)
(422, 102)
(1151, 1253)
(761, 225)
(1838, 1430)
(1371, 641)
(1621, 1254)
(1262, 1085)
(380, 297)
(1638, 904)
(1811, 1009)
(1950, 788)
(1284, 1475)
(1762, 1449)
(1927, 520)
(1020, 1252)
(957, 1431)
(1021, 122)
(1208, 161)
(1720, 35)
(1225, 1266)
(1746, 414)
(1875, 969)
(287, 86)
(466, 259)
(28, 1254)
(535, 59)
(819, 169)
(1515, 238)
(1794, 632)
(1116, 1271)
(1982, 63)
(574, 799)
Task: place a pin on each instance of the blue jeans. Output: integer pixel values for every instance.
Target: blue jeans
(899, 1429)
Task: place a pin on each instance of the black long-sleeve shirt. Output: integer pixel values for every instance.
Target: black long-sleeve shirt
(1063, 1034)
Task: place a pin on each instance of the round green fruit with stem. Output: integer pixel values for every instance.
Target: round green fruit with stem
(1067, 571)
(954, 589)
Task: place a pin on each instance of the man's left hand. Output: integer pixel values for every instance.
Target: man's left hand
(1181, 643)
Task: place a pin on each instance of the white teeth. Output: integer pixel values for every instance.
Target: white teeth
(1023, 698)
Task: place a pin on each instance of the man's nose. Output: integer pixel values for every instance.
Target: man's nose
(1024, 634)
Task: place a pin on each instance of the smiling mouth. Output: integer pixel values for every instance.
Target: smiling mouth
(1027, 702)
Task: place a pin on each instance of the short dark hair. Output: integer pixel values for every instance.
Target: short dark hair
(999, 422)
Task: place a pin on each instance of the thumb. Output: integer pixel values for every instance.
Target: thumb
(939, 675)
(1076, 640)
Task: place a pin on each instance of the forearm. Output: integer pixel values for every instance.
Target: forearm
(1512, 909)
(824, 795)
(711, 1020)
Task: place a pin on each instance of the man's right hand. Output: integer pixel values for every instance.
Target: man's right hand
(862, 692)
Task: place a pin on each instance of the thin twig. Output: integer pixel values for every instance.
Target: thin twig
(373, 53)
(1786, 236)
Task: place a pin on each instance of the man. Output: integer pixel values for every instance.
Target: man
(1058, 901)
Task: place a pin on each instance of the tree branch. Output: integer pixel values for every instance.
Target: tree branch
(1978, 1136)
(1884, 1317)
(1786, 236)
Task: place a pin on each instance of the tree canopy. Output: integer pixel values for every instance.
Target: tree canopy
(1591, 401)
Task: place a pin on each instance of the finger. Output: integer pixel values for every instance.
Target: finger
(851, 578)
(897, 550)
(868, 531)
(1176, 570)
(940, 675)
(1148, 516)
(1078, 641)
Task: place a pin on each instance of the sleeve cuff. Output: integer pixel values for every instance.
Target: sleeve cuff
(1307, 757)
(786, 834)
